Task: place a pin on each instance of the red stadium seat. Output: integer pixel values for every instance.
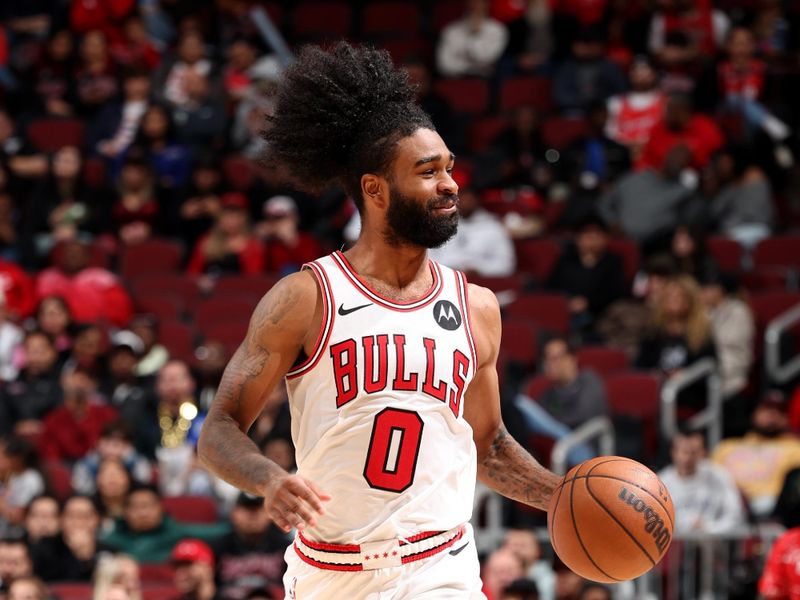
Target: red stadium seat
(602, 360)
(275, 12)
(781, 251)
(178, 337)
(156, 573)
(94, 172)
(226, 308)
(636, 398)
(548, 311)
(191, 509)
(537, 256)
(326, 20)
(768, 305)
(402, 49)
(512, 283)
(58, 477)
(240, 173)
(468, 95)
(629, 252)
(152, 256)
(49, 135)
(98, 255)
(536, 385)
(163, 306)
(178, 286)
(68, 590)
(391, 18)
(229, 333)
(727, 253)
(244, 284)
(520, 342)
(165, 591)
(445, 12)
(484, 131)
(527, 91)
(560, 132)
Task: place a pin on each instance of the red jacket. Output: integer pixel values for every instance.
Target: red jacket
(702, 136)
(94, 295)
(65, 438)
(282, 259)
(87, 15)
(18, 289)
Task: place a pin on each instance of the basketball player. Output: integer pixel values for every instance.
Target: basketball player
(389, 358)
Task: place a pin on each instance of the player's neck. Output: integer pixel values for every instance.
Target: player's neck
(396, 266)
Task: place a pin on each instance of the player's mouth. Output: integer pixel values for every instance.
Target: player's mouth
(447, 208)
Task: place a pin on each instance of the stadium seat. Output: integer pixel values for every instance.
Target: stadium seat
(58, 477)
(536, 385)
(401, 49)
(727, 252)
(768, 305)
(548, 311)
(445, 12)
(239, 172)
(275, 12)
(520, 343)
(175, 285)
(191, 509)
(629, 252)
(178, 337)
(467, 95)
(48, 135)
(527, 91)
(165, 591)
(560, 132)
(321, 20)
(98, 255)
(244, 284)
(163, 306)
(601, 359)
(156, 573)
(634, 401)
(225, 308)
(484, 131)
(779, 251)
(391, 19)
(537, 256)
(152, 256)
(69, 590)
(229, 333)
(94, 172)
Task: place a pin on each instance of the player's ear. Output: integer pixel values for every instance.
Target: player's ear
(374, 190)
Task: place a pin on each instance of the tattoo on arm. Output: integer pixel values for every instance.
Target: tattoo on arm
(508, 469)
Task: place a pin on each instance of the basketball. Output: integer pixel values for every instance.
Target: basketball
(610, 519)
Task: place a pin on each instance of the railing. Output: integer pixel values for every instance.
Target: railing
(599, 428)
(710, 417)
(777, 372)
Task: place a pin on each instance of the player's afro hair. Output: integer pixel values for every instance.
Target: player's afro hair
(339, 114)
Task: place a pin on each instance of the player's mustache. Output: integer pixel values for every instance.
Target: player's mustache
(442, 201)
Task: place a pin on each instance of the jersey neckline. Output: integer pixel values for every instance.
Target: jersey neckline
(362, 286)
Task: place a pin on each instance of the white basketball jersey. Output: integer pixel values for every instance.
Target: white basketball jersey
(377, 409)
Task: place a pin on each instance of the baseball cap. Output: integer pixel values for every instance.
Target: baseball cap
(193, 550)
(235, 200)
(127, 339)
(248, 501)
(278, 206)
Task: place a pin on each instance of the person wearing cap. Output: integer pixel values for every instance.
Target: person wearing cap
(251, 556)
(230, 247)
(287, 248)
(193, 561)
(121, 386)
(481, 245)
(760, 460)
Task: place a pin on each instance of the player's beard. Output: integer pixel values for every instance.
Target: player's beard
(412, 222)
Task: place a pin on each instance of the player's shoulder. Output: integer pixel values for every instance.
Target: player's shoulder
(292, 299)
(482, 301)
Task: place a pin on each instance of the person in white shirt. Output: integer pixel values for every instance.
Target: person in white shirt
(11, 336)
(473, 44)
(481, 246)
(705, 496)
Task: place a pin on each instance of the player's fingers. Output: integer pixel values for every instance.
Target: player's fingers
(279, 520)
(305, 512)
(294, 520)
(322, 495)
(302, 490)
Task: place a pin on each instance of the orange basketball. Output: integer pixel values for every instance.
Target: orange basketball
(611, 519)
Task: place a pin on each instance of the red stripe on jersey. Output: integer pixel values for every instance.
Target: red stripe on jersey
(463, 301)
(432, 551)
(323, 547)
(324, 565)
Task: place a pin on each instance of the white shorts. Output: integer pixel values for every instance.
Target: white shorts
(448, 574)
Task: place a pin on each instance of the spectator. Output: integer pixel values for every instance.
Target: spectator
(733, 330)
(115, 444)
(587, 77)
(633, 115)
(594, 591)
(70, 554)
(42, 518)
(689, 253)
(203, 201)
(113, 484)
(210, 361)
(114, 130)
(11, 336)
(500, 570)
(171, 82)
(136, 211)
(92, 293)
(772, 30)
(705, 496)
(122, 387)
(54, 319)
(440, 111)
(760, 460)
(72, 430)
(134, 49)
(251, 556)
(9, 236)
(530, 43)
(15, 561)
(17, 287)
(274, 421)
(741, 198)
(705, 26)
(117, 577)
(589, 273)
(521, 589)
(242, 55)
(154, 355)
(681, 125)
(230, 247)
(53, 85)
(147, 534)
(28, 588)
(193, 562)
(574, 397)
(481, 245)
(568, 584)
(741, 80)
(168, 157)
(20, 482)
(87, 15)
(200, 122)
(95, 78)
(286, 248)
(781, 578)
(473, 44)
(524, 543)
(88, 351)
(27, 399)
(669, 201)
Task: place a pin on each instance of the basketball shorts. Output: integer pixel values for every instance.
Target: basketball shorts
(440, 566)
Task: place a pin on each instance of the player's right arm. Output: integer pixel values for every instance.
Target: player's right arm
(281, 326)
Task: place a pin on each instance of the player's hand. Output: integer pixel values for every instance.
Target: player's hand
(292, 501)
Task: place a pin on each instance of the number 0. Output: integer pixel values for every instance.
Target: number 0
(393, 450)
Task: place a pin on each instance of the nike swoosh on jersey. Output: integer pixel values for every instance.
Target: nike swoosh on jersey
(346, 311)
(457, 550)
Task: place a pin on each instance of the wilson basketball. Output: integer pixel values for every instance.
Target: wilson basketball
(611, 519)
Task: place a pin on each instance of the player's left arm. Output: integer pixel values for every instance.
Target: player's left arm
(503, 464)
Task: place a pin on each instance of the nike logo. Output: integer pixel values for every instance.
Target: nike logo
(346, 311)
(457, 550)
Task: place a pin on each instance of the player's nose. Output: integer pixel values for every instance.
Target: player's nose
(448, 185)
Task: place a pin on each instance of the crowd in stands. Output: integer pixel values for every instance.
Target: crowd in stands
(624, 167)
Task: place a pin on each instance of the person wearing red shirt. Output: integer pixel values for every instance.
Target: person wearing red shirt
(781, 577)
(287, 248)
(681, 126)
(73, 429)
(17, 287)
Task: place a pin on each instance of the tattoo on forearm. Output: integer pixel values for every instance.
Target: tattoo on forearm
(511, 471)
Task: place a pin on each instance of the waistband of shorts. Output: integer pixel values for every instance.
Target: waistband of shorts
(375, 555)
